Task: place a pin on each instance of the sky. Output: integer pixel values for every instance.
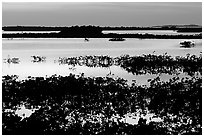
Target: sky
(101, 13)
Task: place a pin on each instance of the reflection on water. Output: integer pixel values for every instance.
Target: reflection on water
(156, 32)
(164, 91)
(36, 50)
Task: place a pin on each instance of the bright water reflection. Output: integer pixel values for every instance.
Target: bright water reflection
(155, 32)
(52, 49)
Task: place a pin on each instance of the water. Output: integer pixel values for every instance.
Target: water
(155, 32)
(52, 49)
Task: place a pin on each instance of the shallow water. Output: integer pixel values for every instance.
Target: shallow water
(155, 32)
(52, 49)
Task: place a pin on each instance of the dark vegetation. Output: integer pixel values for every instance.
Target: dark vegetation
(116, 39)
(43, 28)
(70, 105)
(101, 35)
(83, 31)
(187, 44)
(38, 58)
(189, 30)
(137, 65)
(95, 32)
(76, 104)
(145, 64)
(154, 64)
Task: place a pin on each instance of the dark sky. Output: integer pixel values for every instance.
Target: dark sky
(101, 13)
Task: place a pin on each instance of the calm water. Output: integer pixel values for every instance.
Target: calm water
(156, 32)
(52, 49)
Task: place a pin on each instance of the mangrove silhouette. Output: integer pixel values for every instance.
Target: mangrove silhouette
(189, 28)
(116, 39)
(89, 61)
(79, 105)
(83, 31)
(137, 65)
(94, 32)
(13, 60)
(187, 44)
(145, 64)
(154, 64)
(99, 35)
(38, 58)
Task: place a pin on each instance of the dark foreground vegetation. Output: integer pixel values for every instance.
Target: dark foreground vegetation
(76, 104)
(81, 105)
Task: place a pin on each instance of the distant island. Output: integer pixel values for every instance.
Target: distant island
(96, 32)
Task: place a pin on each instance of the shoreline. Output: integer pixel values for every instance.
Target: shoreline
(140, 36)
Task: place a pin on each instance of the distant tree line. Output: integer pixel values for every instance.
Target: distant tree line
(95, 32)
(189, 30)
(83, 31)
(31, 28)
(57, 28)
(92, 34)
